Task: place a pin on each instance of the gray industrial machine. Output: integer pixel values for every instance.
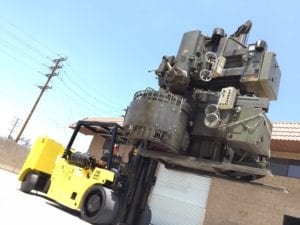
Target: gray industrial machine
(209, 113)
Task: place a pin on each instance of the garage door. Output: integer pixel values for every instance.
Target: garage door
(178, 198)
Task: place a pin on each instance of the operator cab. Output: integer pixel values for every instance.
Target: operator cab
(106, 156)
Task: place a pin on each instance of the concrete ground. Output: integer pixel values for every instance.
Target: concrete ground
(19, 208)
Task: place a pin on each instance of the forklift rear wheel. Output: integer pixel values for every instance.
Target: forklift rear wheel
(100, 205)
(29, 182)
(145, 218)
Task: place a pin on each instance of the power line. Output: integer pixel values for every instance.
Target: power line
(109, 102)
(21, 52)
(89, 95)
(67, 101)
(80, 97)
(18, 60)
(77, 109)
(37, 51)
(15, 124)
(28, 35)
(42, 113)
(44, 88)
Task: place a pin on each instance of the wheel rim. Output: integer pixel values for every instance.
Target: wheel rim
(93, 204)
(100, 205)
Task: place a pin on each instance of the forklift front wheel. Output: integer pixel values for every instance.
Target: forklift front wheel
(100, 205)
(29, 182)
(145, 217)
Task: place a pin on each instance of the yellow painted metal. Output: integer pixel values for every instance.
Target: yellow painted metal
(69, 182)
(42, 156)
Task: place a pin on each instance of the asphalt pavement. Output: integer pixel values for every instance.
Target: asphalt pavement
(19, 208)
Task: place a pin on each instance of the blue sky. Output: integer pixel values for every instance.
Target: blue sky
(111, 45)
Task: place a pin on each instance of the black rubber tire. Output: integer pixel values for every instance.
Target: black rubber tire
(29, 182)
(99, 206)
(145, 217)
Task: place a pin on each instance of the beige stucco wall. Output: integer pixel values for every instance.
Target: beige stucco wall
(96, 148)
(12, 155)
(285, 155)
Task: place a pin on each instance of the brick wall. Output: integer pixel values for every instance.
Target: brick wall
(235, 203)
(12, 155)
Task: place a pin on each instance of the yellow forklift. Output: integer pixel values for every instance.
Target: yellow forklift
(74, 179)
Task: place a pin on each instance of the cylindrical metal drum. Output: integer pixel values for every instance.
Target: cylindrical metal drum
(159, 117)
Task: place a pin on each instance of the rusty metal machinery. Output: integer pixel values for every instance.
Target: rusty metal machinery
(211, 104)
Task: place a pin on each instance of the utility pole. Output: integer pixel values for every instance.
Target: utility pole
(15, 123)
(43, 88)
